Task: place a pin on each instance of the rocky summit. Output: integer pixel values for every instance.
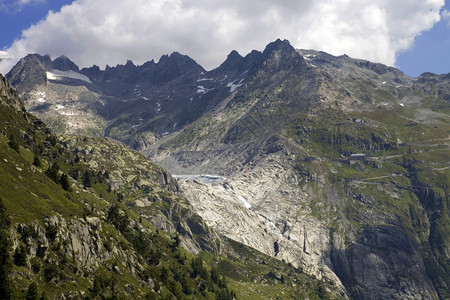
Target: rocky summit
(337, 168)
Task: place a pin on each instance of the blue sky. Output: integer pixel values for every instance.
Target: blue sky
(110, 31)
(16, 17)
(431, 51)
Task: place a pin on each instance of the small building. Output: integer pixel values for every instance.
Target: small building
(358, 156)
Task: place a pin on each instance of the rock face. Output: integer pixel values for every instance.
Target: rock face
(384, 256)
(248, 209)
(8, 92)
(145, 185)
(83, 240)
(317, 168)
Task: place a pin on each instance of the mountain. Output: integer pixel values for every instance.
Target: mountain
(336, 166)
(134, 104)
(86, 217)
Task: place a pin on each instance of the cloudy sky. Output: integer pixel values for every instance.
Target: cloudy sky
(413, 35)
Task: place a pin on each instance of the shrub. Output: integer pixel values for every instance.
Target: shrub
(36, 264)
(50, 271)
(13, 144)
(20, 255)
(36, 161)
(32, 293)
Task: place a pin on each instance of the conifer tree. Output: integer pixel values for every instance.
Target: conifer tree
(64, 181)
(5, 257)
(36, 161)
(32, 293)
(52, 172)
(87, 179)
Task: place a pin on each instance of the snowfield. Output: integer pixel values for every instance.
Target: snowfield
(233, 86)
(59, 75)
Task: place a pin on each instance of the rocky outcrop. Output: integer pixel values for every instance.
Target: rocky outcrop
(83, 240)
(7, 92)
(263, 209)
(383, 262)
(150, 190)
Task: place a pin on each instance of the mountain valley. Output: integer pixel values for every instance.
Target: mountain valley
(335, 168)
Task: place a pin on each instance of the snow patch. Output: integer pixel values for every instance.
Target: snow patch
(41, 96)
(204, 79)
(246, 204)
(401, 104)
(51, 76)
(58, 75)
(384, 82)
(205, 178)
(58, 107)
(233, 86)
(67, 114)
(145, 98)
(308, 57)
(202, 90)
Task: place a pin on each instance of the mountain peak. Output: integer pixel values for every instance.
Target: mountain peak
(278, 45)
(179, 60)
(129, 63)
(233, 61)
(63, 63)
(280, 54)
(234, 55)
(30, 71)
(43, 60)
(171, 66)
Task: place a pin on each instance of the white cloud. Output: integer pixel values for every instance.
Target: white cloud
(110, 31)
(446, 15)
(24, 2)
(13, 6)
